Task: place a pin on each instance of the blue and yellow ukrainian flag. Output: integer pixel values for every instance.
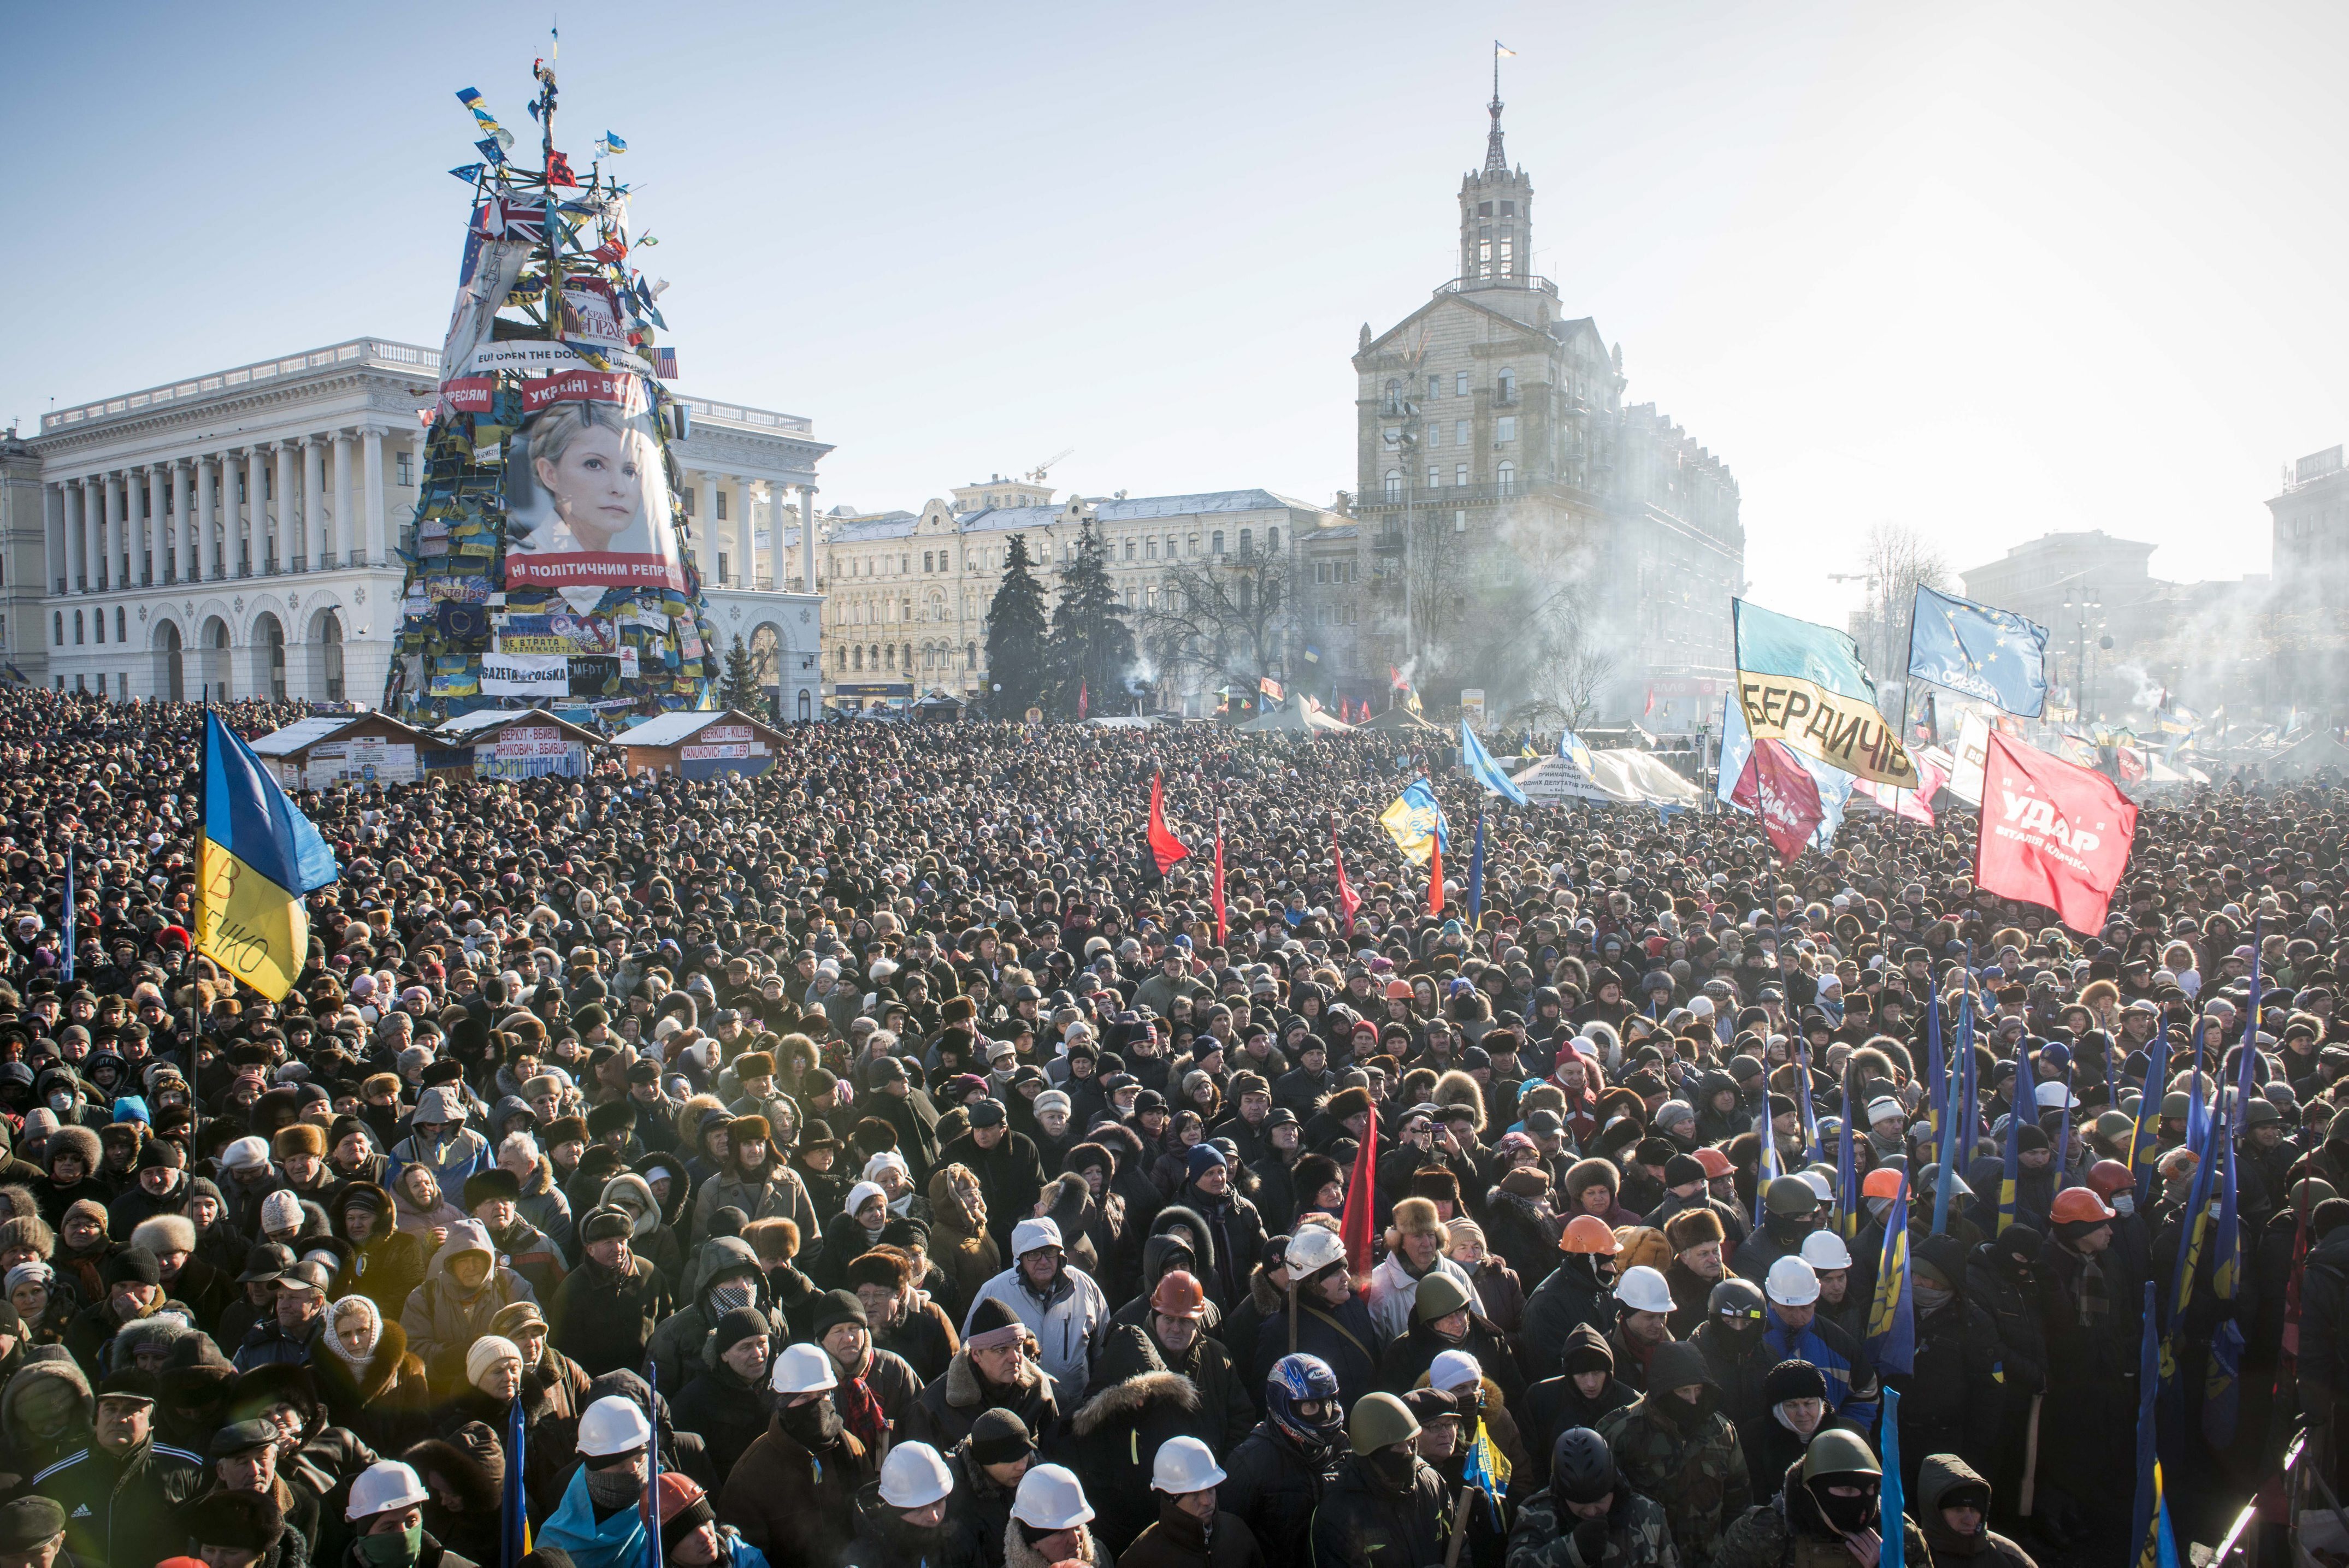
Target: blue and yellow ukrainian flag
(1415, 823)
(1891, 1315)
(1487, 1471)
(259, 856)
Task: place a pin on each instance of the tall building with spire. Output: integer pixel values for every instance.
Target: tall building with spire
(1501, 476)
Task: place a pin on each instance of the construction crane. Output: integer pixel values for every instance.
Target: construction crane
(1036, 475)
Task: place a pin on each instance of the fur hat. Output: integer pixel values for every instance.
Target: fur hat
(301, 1138)
(1417, 1217)
(1348, 1103)
(958, 1010)
(1436, 1182)
(884, 1267)
(79, 1141)
(563, 1129)
(747, 1128)
(612, 1116)
(1692, 1228)
(1312, 1174)
(752, 1065)
(160, 1233)
(491, 1182)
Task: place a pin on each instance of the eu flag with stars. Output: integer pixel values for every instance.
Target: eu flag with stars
(1994, 656)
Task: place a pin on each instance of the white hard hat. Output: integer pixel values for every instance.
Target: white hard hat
(803, 1369)
(913, 1476)
(1313, 1249)
(1819, 1185)
(1185, 1465)
(382, 1486)
(1792, 1282)
(1642, 1289)
(1825, 1250)
(1452, 1368)
(2052, 1094)
(1034, 1235)
(1051, 1498)
(613, 1426)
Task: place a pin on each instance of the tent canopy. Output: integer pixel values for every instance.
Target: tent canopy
(1400, 718)
(1294, 717)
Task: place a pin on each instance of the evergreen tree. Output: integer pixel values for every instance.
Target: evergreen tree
(1016, 652)
(1091, 649)
(739, 688)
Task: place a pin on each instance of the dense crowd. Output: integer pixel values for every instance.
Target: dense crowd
(881, 1163)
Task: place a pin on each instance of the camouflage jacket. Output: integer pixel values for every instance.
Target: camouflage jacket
(1637, 1535)
(1697, 1476)
(1764, 1538)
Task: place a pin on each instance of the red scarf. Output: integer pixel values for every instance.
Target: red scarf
(860, 1411)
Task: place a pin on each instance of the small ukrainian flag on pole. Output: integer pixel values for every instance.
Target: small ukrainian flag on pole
(260, 857)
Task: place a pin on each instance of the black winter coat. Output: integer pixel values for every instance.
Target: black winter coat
(604, 1321)
(1571, 1295)
(1364, 1523)
(727, 1412)
(1010, 1175)
(1114, 1438)
(1342, 1337)
(1275, 1486)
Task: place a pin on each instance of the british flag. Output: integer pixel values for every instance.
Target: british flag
(513, 218)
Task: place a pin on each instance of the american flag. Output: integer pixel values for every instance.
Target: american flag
(665, 363)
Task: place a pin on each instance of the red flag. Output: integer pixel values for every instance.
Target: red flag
(558, 170)
(1218, 894)
(1395, 681)
(1349, 900)
(1651, 703)
(1436, 875)
(1777, 788)
(1360, 1224)
(2053, 834)
(1081, 699)
(1164, 847)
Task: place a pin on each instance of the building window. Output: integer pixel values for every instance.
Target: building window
(119, 624)
(970, 656)
(1459, 522)
(925, 562)
(1216, 546)
(57, 632)
(1150, 547)
(1507, 477)
(1194, 546)
(721, 505)
(1504, 429)
(77, 628)
(1129, 599)
(404, 467)
(843, 658)
(1272, 542)
(1434, 475)
(1435, 385)
(1395, 395)
(1128, 548)
(1247, 540)
(1509, 251)
(1394, 484)
(101, 683)
(1459, 432)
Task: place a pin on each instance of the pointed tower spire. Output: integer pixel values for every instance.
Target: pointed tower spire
(1495, 160)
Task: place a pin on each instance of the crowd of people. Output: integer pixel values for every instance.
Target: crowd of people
(882, 1163)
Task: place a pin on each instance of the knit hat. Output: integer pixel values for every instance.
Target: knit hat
(1587, 1350)
(487, 1352)
(1793, 1380)
(742, 1323)
(998, 1437)
(1201, 1157)
(834, 1307)
(1681, 1170)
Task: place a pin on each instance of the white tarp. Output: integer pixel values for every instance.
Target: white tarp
(1968, 758)
(1616, 777)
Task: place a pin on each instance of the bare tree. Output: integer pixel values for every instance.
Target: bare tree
(1544, 652)
(1894, 563)
(1223, 617)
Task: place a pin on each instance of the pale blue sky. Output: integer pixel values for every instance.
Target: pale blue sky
(1988, 269)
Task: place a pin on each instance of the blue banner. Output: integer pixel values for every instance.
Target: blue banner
(1994, 656)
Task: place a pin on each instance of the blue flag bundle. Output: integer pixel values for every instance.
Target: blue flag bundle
(1994, 656)
(1891, 1315)
(1483, 769)
(1890, 1502)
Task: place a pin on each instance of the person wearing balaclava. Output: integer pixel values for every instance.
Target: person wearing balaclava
(1384, 1505)
(904, 1517)
(1673, 1445)
(387, 1518)
(1578, 1396)
(792, 1494)
(1586, 1509)
(1825, 1511)
(1730, 1338)
(1276, 1475)
(601, 1522)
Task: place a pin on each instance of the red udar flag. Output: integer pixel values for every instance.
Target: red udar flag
(2053, 834)
(1359, 1226)
(1164, 847)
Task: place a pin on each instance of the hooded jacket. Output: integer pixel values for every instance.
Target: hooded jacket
(1685, 1457)
(789, 1504)
(442, 1321)
(1940, 1475)
(1365, 1523)
(959, 1242)
(29, 1452)
(1069, 1324)
(679, 1349)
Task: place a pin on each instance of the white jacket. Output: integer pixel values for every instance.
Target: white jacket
(1393, 1292)
(1069, 1327)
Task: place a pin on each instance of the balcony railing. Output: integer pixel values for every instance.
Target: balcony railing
(1532, 281)
(1438, 498)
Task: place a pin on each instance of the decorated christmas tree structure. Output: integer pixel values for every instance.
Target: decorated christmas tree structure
(551, 564)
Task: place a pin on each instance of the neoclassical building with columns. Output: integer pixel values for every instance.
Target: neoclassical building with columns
(239, 533)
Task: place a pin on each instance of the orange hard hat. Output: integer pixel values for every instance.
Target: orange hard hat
(1178, 1296)
(2078, 1205)
(1716, 1164)
(1398, 990)
(2107, 1176)
(1589, 1233)
(1883, 1182)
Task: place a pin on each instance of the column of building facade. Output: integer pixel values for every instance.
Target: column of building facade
(284, 529)
(126, 554)
(339, 525)
(807, 539)
(371, 483)
(705, 502)
(211, 505)
(183, 511)
(742, 483)
(157, 483)
(114, 529)
(313, 547)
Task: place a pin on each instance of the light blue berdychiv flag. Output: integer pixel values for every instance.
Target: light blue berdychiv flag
(1483, 769)
(1995, 656)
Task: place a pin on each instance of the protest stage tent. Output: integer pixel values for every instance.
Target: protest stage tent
(1294, 717)
(332, 747)
(1400, 718)
(2306, 757)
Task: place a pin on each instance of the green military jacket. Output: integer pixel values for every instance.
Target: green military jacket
(1638, 1535)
